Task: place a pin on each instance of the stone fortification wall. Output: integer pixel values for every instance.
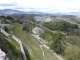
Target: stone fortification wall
(15, 38)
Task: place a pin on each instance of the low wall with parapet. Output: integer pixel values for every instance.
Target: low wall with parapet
(4, 32)
(22, 49)
(15, 38)
(5, 24)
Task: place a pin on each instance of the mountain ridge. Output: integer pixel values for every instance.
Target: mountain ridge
(13, 11)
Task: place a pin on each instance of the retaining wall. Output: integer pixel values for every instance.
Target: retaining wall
(4, 32)
(15, 38)
(5, 24)
(21, 46)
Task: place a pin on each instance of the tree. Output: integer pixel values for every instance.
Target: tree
(57, 45)
(29, 27)
(72, 53)
(57, 26)
(43, 35)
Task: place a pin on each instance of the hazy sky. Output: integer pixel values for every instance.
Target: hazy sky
(42, 5)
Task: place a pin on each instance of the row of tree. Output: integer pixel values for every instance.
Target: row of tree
(56, 45)
(28, 27)
(71, 52)
(7, 19)
(63, 26)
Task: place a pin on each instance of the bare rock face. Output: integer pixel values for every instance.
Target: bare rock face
(5, 48)
(3, 55)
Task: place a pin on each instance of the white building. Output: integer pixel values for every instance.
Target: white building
(43, 18)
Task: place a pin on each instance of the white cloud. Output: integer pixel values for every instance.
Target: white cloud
(43, 5)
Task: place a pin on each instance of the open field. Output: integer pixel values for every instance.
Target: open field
(32, 44)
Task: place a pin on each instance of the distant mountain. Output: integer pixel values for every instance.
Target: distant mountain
(11, 11)
(35, 12)
(75, 13)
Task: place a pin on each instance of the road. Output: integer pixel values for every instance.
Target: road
(47, 47)
(43, 52)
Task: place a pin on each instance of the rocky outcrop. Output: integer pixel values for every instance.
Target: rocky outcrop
(3, 55)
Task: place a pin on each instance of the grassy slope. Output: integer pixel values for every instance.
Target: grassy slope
(32, 44)
(48, 54)
(14, 47)
(17, 46)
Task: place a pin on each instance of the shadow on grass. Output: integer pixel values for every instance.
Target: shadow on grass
(27, 53)
(10, 49)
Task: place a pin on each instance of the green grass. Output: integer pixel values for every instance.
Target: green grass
(0, 26)
(74, 40)
(13, 46)
(77, 22)
(32, 44)
(49, 55)
(49, 35)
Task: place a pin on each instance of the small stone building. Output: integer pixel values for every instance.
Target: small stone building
(37, 31)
